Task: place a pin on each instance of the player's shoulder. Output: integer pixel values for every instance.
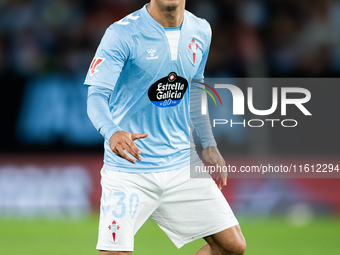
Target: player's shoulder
(127, 26)
(199, 24)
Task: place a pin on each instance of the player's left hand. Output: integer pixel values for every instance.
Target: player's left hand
(213, 156)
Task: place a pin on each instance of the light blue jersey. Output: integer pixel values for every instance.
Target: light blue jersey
(148, 70)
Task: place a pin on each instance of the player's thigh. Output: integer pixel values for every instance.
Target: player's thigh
(127, 202)
(228, 241)
(192, 208)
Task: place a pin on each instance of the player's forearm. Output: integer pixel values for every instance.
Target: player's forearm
(200, 122)
(98, 111)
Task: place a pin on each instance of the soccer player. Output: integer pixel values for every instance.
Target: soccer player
(138, 99)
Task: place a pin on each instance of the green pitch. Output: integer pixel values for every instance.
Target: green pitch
(270, 236)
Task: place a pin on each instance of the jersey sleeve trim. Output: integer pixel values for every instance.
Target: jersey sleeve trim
(101, 84)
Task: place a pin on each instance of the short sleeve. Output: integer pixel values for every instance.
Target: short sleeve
(200, 71)
(108, 61)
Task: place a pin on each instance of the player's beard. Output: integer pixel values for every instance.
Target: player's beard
(170, 8)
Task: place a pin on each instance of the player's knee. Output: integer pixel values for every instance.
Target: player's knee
(241, 248)
(237, 248)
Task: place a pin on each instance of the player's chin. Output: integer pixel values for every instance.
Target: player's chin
(172, 5)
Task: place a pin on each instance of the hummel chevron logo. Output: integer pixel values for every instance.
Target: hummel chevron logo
(152, 54)
(105, 210)
(106, 198)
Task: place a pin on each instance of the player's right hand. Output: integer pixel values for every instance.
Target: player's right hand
(213, 156)
(122, 141)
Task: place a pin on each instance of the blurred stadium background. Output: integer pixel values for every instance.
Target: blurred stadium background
(50, 155)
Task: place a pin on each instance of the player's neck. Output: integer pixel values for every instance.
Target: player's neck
(164, 16)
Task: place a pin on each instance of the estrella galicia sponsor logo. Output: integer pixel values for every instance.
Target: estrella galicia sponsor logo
(168, 91)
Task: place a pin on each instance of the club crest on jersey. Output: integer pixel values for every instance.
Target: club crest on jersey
(94, 65)
(114, 227)
(193, 46)
(168, 91)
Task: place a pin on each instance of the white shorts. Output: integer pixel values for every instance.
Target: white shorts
(185, 209)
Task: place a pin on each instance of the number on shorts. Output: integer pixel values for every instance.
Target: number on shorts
(120, 203)
(132, 213)
(134, 201)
